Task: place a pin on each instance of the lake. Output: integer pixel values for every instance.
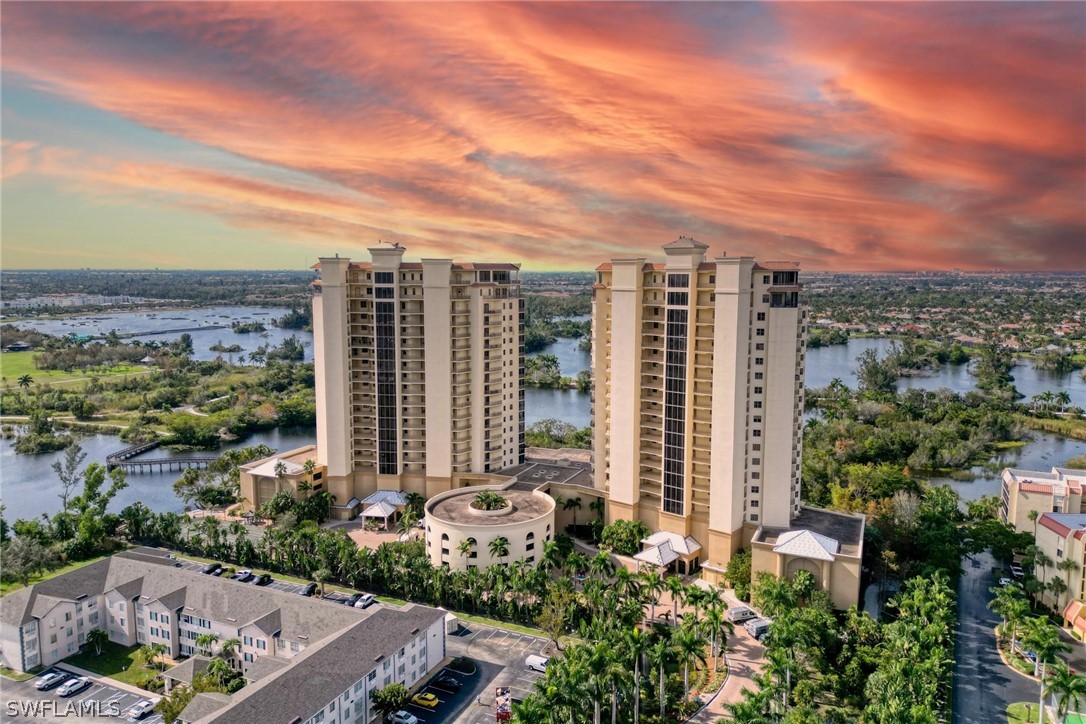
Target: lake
(839, 360)
(30, 485)
(202, 339)
(573, 406)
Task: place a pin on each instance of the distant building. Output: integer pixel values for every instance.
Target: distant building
(1061, 537)
(1023, 491)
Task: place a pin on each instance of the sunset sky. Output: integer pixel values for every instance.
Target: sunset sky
(851, 136)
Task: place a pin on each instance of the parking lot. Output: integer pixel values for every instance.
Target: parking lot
(99, 698)
(500, 655)
(275, 585)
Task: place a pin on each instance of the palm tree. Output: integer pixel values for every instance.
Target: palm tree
(1033, 515)
(206, 642)
(1012, 607)
(677, 589)
(637, 644)
(690, 647)
(499, 547)
(654, 586)
(229, 646)
(1067, 687)
(573, 504)
(601, 565)
(597, 506)
(464, 547)
(220, 670)
(1043, 639)
(1064, 398)
(320, 576)
(717, 627)
(25, 382)
(1068, 566)
(97, 638)
(661, 655)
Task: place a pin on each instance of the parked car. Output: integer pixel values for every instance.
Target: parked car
(262, 580)
(211, 567)
(447, 681)
(742, 613)
(364, 601)
(243, 575)
(218, 572)
(426, 699)
(50, 680)
(757, 627)
(403, 717)
(537, 663)
(1005, 581)
(74, 686)
(309, 589)
(1016, 570)
(353, 599)
(140, 709)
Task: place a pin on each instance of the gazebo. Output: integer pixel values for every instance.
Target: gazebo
(383, 509)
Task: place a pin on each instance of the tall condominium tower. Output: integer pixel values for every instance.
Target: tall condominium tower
(419, 372)
(699, 397)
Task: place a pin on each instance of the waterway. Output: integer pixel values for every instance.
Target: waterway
(839, 360)
(193, 320)
(30, 485)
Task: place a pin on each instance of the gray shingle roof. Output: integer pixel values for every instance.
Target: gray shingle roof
(203, 705)
(321, 673)
(303, 620)
(187, 669)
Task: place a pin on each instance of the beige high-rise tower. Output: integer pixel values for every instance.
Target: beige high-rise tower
(699, 397)
(419, 372)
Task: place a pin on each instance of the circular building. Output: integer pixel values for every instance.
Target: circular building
(462, 533)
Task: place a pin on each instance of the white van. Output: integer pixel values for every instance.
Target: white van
(537, 663)
(742, 613)
(757, 628)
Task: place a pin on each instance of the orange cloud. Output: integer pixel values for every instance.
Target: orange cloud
(848, 136)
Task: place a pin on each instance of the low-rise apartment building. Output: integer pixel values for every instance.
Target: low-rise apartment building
(1026, 491)
(140, 597)
(1061, 537)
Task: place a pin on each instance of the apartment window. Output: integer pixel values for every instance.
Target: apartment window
(755, 476)
(675, 407)
(756, 418)
(164, 618)
(756, 433)
(248, 658)
(756, 446)
(759, 360)
(387, 397)
(754, 503)
(68, 616)
(121, 605)
(756, 461)
(765, 299)
(154, 631)
(384, 278)
(372, 675)
(165, 634)
(758, 375)
(712, 278)
(760, 346)
(247, 640)
(52, 638)
(754, 489)
(294, 646)
(68, 631)
(759, 332)
(754, 518)
(761, 316)
(757, 404)
(757, 390)
(153, 616)
(678, 280)
(261, 644)
(765, 279)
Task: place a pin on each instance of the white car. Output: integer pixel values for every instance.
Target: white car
(50, 680)
(364, 601)
(1016, 570)
(243, 575)
(140, 709)
(1005, 581)
(402, 717)
(74, 686)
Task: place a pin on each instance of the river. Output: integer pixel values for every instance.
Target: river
(29, 483)
(30, 486)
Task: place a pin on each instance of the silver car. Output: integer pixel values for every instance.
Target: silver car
(74, 686)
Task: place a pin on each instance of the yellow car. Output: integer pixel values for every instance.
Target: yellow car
(425, 699)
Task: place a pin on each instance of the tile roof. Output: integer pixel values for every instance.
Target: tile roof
(661, 554)
(395, 497)
(683, 545)
(204, 705)
(1062, 524)
(187, 669)
(379, 510)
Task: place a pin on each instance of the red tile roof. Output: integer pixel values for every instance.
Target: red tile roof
(1055, 526)
(1031, 487)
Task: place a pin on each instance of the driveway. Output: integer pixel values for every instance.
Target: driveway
(99, 702)
(983, 685)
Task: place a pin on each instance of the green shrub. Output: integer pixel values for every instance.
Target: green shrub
(624, 536)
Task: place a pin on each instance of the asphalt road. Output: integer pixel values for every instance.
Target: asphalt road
(983, 685)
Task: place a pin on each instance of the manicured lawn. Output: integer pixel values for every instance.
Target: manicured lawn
(116, 661)
(8, 586)
(14, 365)
(10, 674)
(1017, 713)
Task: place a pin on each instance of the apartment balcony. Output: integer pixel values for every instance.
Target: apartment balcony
(412, 367)
(702, 387)
(654, 449)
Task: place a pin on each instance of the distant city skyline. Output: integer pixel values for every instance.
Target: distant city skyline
(845, 136)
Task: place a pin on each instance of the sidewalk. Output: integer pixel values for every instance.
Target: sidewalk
(745, 657)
